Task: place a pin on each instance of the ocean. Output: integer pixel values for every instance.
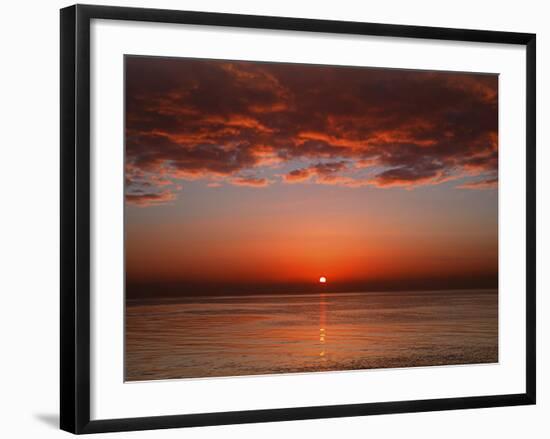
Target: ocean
(195, 337)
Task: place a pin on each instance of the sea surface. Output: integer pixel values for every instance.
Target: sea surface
(287, 333)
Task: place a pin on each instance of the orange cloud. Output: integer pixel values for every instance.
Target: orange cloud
(250, 181)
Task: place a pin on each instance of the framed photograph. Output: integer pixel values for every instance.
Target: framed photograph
(267, 219)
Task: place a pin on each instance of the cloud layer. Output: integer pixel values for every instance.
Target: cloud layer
(256, 124)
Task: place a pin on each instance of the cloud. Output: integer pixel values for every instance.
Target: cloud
(250, 181)
(325, 172)
(488, 183)
(298, 175)
(420, 172)
(223, 121)
(150, 199)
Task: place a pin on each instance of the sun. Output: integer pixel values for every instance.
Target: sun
(322, 280)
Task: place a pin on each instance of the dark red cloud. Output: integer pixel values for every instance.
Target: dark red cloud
(224, 120)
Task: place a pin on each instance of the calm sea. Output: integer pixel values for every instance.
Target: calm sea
(266, 334)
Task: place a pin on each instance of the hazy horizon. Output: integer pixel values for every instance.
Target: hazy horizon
(175, 291)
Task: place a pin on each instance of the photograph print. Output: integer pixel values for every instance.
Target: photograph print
(297, 218)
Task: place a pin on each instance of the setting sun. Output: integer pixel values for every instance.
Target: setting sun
(323, 280)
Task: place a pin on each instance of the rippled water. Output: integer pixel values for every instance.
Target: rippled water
(265, 334)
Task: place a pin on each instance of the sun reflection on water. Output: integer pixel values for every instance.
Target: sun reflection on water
(322, 325)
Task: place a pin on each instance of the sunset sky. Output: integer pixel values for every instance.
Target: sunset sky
(262, 177)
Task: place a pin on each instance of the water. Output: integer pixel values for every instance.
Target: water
(265, 334)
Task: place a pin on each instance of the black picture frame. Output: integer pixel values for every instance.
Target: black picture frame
(75, 217)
